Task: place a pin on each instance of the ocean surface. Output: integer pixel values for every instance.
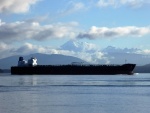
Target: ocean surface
(75, 93)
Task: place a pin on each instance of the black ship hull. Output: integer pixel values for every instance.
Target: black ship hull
(73, 69)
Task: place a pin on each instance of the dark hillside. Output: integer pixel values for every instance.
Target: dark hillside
(142, 69)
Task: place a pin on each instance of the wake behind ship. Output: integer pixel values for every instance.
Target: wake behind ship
(31, 67)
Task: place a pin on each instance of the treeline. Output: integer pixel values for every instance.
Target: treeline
(4, 70)
(1, 70)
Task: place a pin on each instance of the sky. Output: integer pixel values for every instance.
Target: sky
(30, 26)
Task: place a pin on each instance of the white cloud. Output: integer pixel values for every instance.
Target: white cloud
(26, 30)
(144, 52)
(104, 3)
(72, 8)
(15, 6)
(112, 49)
(119, 3)
(5, 50)
(3, 46)
(77, 7)
(97, 57)
(28, 48)
(23, 30)
(105, 32)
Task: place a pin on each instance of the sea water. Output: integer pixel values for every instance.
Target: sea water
(75, 93)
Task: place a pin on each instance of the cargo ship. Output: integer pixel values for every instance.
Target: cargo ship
(32, 68)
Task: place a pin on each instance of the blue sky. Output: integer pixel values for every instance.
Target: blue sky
(44, 25)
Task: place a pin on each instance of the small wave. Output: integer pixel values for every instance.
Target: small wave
(100, 85)
(75, 85)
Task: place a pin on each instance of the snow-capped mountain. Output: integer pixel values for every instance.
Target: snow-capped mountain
(76, 46)
(110, 54)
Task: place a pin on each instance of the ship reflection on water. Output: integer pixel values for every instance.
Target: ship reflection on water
(65, 80)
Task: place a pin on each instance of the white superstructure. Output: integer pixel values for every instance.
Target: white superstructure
(22, 62)
(31, 62)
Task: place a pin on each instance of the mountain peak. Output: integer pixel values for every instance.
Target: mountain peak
(77, 46)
